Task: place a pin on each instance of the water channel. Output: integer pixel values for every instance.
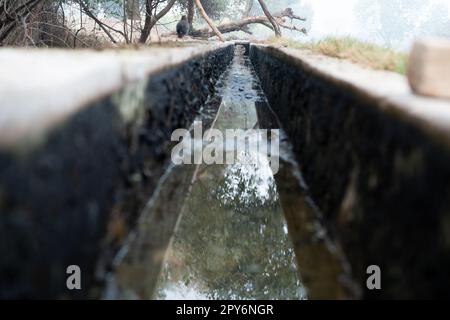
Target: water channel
(232, 239)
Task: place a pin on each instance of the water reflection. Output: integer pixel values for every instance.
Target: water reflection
(232, 240)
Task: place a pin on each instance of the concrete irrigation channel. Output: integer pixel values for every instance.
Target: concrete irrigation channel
(86, 177)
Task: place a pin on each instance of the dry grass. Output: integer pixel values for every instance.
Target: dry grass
(359, 52)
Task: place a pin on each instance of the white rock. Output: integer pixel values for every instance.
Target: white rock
(429, 68)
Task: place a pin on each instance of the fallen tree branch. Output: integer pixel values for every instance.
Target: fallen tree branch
(243, 25)
(288, 13)
(293, 28)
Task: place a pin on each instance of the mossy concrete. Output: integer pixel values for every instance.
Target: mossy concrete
(376, 159)
(72, 195)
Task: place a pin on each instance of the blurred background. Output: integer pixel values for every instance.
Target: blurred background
(98, 23)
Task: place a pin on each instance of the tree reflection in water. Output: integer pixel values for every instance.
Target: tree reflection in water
(232, 242)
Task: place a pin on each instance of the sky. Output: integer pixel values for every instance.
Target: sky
(332, 17)
(338, 17)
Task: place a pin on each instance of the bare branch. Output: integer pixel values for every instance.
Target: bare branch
(208, 20)
(14, 19)
(102, 25)
(272, 21)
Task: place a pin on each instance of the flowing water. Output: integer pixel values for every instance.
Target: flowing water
(232, 239)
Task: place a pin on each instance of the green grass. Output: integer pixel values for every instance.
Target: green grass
(366, 54)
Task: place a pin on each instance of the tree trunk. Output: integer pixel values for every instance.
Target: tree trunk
(150, 21)
(191, 14)
(125, 22)
(276, 27)
(208, 20)
(133, 10)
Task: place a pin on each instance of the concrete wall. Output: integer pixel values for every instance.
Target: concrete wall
(377, 163)
(84, 141)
